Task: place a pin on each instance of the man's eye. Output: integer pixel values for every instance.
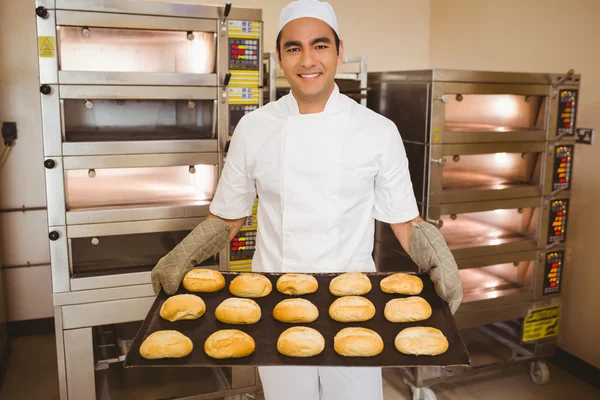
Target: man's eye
(293, 49)
(321, 47)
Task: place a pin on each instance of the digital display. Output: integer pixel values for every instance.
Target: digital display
(243, 246)
(243, 53)
(567, 112)
(236, 112)
(563, 162)
(553, 272)
(557, 230)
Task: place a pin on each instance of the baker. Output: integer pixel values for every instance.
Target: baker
(324, 167)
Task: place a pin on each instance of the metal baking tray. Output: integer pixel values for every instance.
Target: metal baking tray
(266, 332)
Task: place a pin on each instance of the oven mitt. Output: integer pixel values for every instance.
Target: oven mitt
(429, 251)
(206, 240)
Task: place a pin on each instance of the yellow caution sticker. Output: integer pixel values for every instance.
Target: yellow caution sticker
(47, 46)
(541, 323)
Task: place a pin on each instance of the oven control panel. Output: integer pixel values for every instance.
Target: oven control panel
(567, 112)
(553, 272)
(236, 112)
(243, 245)
(243, 53)
(557, 229)
(563, 166)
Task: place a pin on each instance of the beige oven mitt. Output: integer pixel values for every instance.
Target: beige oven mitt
(206, 240)
(429, 251)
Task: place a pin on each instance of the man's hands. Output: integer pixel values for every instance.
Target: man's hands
(428, 249)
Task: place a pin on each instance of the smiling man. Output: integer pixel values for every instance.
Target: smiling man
(324, 168)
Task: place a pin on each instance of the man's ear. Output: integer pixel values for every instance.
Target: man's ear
(278, 58)
(341, 53)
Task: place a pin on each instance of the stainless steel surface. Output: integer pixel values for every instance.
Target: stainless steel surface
(104, 294)
(85, 92)
(79, 358)
(96, 20)
(60, 353)
(107, 281)
(135, 78)
(132, 147)
(124, 228)
(59, 260)
(158, 8)
(140, 161)
(104, 313)
(46, 33)
(51, 122)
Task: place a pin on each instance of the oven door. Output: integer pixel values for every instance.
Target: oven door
(491, 227)
(475, 113)
(96, 47)
(479, 172)
(138, 187)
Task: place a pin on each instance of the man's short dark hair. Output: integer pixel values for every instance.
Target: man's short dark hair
(335, 35)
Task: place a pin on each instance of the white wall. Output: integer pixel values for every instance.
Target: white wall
(516, 35)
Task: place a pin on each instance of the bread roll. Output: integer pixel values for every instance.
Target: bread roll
(295, 311)
(182, 307)
(350, 284)
(421, 340)
(166, 344)
(203, 280)
(401, 283)
(409, 309)
(238, 311)
(352, 309)
(250, 285)
(300, 341)
(357, 342)
(229, 343)
(297, 284)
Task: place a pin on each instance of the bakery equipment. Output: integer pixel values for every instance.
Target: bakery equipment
(139, 100)
(490, 156)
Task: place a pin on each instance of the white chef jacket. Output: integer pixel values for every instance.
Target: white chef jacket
(321, 180)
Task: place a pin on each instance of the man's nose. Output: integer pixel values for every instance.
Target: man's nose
(308, 59)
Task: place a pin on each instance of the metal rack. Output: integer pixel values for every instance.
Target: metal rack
(353, 84)
(139, 100)
(490, 156)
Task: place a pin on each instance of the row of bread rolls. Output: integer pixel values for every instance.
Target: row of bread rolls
(297, 310)
(299, 341)
(253, 285)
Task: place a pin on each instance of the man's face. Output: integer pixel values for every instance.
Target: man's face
(308, 57)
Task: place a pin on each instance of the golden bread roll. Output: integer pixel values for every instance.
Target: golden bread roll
(250, 285)
(203, 280)
(350, 284)
(166, 344)
(297, 284)
(357, 342)
(182, 307)
(401, 283)
(229, 343)
(352, 309)
(238, 311)
(408, 309)
(300, 341)
(295, 311)
(421, 340)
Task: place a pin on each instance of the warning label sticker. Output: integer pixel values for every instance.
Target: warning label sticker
(541, 323)
(47, 46)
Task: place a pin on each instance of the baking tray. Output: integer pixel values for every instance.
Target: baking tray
(266, 332)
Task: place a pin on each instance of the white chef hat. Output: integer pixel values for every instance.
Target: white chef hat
(308, 8)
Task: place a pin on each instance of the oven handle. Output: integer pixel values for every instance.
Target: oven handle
(215, 116)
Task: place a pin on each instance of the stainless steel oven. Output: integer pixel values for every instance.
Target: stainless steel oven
(139, 101)
(490, 158)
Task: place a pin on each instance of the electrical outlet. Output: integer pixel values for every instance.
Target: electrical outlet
(9, 132)
(584, 136)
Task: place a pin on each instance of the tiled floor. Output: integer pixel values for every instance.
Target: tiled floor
(31, 374)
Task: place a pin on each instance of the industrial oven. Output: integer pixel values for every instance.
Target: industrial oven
(139, 102)
(490, 157)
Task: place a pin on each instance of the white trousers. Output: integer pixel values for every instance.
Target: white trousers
(321, 383)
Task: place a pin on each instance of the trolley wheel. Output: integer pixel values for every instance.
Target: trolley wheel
(422, 393)
(539, 372)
